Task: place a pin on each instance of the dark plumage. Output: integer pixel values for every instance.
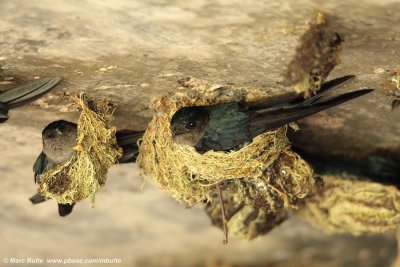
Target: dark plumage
(24, 94)
(127, 140)
(230, 126)
(377, 167)
(59, 139)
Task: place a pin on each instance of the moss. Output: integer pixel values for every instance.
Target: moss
(353, 206)
(394, 89)
(245, 222)
(396, 79)
(264, 174)
(95, 151)
(317, 54)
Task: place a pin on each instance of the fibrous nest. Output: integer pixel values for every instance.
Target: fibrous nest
(95, 151)
(317, 54)
(353, 206)
(395, 88)
(264, 174)
(245, 222)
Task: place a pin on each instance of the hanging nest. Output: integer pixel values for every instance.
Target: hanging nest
(317, 54)
(95, 151)
(353, 206)
(244, 221)
(249, 223)
(264, 173)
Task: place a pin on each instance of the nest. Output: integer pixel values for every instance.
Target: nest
(95, 151)
(249, 223)
(317, 54)
(353, 206)
(245, 222)
(263, 174)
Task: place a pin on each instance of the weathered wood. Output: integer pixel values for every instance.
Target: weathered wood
(131, 52)
(115, 50)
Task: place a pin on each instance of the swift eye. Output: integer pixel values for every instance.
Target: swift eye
(191, 125)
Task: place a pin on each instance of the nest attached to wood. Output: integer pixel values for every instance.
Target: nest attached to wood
(245, 222)
(263, 174)
(95, 151)
(353, 206)
(317, 54)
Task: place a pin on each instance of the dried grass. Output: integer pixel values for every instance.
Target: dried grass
(353, 206)
(95, 151)
(264, 173)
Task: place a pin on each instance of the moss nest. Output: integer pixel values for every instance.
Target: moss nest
(264, 174)
(317, 54)
(245, 222)
(353, 206)
(95, 151)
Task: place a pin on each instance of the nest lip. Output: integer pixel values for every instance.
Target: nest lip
(182, 171)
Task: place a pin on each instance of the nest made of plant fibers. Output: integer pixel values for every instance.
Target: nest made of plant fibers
(263, 173)
(353, 206)
(95, 151)
(317, 54)
(244, 221)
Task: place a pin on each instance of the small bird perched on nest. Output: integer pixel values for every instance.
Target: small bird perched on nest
(230, 126)
(233, 125)
(59, 140)
(24, 94)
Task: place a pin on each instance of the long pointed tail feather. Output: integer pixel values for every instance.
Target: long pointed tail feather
(269, 119)
(28, 92)
(297, 98)
(328, 87)
(128, 142)
(128, 138)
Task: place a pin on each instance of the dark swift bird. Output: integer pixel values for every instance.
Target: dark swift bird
(230, 126)
(24, 94)
(59, 139)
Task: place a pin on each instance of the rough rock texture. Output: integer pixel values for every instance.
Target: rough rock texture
(133, 51)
